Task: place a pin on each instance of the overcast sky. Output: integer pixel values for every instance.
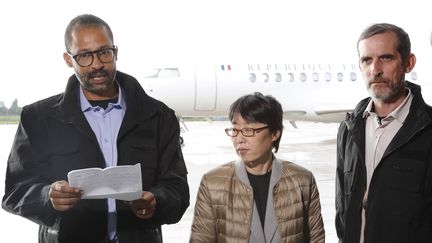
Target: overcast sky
(154, 32)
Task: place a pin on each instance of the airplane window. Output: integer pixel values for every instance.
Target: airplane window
(414, 75)
(327, 76)
(340, 76)
(265, 77)
(252, 77)
(278, 77)
(353, 76)
(290, 77)
(303, 77)
(170, 73)
(154, 73)
(315, 77)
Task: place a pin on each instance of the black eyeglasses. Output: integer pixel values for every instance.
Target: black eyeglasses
(85, 59)
(247, 132)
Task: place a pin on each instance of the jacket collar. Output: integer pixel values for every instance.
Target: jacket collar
(86, 106)
(270, 228)
(418, 106)
(138, 103)
(416, 120)
(240, 170)
(400, 113)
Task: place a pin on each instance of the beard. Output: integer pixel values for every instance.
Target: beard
(98, 81)
(386, 90)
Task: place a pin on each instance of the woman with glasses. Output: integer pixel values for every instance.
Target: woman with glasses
(257, 198)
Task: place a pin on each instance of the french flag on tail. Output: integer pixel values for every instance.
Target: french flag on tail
(226, 67)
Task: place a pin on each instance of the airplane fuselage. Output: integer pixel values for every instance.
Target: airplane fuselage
(307, 92)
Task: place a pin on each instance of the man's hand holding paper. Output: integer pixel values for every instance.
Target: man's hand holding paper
(62, 196)
(144, 207)
(118, 182)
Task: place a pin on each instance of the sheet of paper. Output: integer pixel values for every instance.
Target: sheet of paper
(119, 182)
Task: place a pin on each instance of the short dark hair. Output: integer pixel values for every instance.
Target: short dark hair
(84, 20)
(259, 108)
(404, 43)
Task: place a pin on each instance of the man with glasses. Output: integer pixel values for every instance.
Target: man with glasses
(257, 198)
(104, 118)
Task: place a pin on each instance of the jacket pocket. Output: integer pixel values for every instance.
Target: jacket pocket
(348, 176)
(405, 174)
(140, 152)
(145, 153)
(63, 156)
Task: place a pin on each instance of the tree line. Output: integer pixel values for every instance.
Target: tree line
(13, 110)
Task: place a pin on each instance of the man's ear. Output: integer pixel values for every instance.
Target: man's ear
(410, 63)
(68, 59)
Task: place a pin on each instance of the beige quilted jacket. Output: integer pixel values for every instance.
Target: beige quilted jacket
(224, 209)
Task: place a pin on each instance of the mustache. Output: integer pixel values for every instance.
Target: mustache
(377, 80)
(98, 73)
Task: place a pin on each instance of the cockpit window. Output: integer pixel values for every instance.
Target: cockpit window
(169, 73)
(163, 73)
(154, 73)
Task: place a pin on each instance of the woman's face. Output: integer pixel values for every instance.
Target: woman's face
(256, 149)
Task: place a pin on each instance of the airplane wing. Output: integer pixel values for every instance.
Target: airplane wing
(336, 109)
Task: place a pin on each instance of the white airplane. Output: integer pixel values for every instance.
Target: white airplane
(307, 92)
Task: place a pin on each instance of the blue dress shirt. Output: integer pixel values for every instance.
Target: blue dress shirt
(105, 124)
